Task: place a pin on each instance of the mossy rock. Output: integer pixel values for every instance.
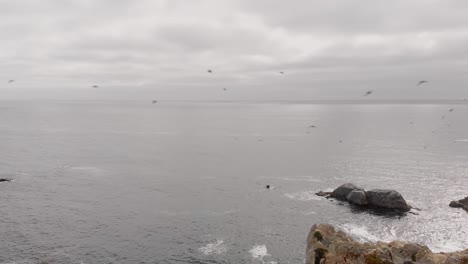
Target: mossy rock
(318, 235)
(373, 259)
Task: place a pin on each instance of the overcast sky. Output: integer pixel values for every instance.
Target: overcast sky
(162, 49)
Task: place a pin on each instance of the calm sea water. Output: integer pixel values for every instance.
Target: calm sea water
(181, 182)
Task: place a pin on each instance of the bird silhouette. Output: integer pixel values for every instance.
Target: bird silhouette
(422, 82)
(368, 93)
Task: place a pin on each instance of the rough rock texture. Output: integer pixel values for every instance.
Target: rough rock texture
(325, 245)
(463, 203)
(343, 191)
(387, 199)
(390, 199)
(357, 196)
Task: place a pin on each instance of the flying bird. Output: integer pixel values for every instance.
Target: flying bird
(422, 82)
(10, 81)
(209, 71)
(368, 93)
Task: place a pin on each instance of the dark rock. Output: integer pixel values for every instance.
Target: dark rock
(463, 203)
(390, 199)
(5, 180)
(357, 196)
(320, 193)
(342, 192)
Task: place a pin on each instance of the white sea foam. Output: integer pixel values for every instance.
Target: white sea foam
(215, 248)
(447, 246)
(303, 196)
(259, 252)
(362, 234)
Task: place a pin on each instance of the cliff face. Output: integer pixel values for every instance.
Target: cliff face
(325, 245)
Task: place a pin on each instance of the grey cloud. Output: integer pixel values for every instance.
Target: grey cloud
(171, 43)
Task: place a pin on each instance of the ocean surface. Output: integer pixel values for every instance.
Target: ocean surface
(184, 182)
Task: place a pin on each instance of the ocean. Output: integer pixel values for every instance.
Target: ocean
(184, 182)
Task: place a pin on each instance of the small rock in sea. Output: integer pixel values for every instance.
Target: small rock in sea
(463, 203)
(268, 186)
(386, 199)
(5, 180)
(325, 194)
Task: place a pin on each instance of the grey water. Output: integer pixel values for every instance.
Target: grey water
(184, 182)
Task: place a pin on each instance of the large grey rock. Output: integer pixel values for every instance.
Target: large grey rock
(342, 192)
(357, 196)
(390, 199)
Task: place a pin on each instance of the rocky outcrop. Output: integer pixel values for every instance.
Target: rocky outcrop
(463, 203)
(326, 245)
(377, 198)
(5, 180)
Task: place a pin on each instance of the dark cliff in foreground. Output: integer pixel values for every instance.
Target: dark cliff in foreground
(325, 245)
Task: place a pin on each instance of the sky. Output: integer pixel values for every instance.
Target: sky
(162, 49)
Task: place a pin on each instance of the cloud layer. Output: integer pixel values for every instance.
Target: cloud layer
(328, 49)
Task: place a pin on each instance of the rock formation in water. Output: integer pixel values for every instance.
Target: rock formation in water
(377, 198)
(463, 203)
(325, 245)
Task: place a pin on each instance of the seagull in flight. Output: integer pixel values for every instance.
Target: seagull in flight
(368, 93)
(422, 82)
(11, 81)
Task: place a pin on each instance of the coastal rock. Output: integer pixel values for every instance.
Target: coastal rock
(324, 194)
(390, 199)
(326, 245)
(463, 203)
(5, 180)
(357, 196)
(341, 192)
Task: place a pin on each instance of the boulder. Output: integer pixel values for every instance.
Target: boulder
(390, 199)
(342, 192)
(357, 196)
(327, 245)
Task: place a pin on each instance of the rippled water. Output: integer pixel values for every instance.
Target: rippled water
(185, 182)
